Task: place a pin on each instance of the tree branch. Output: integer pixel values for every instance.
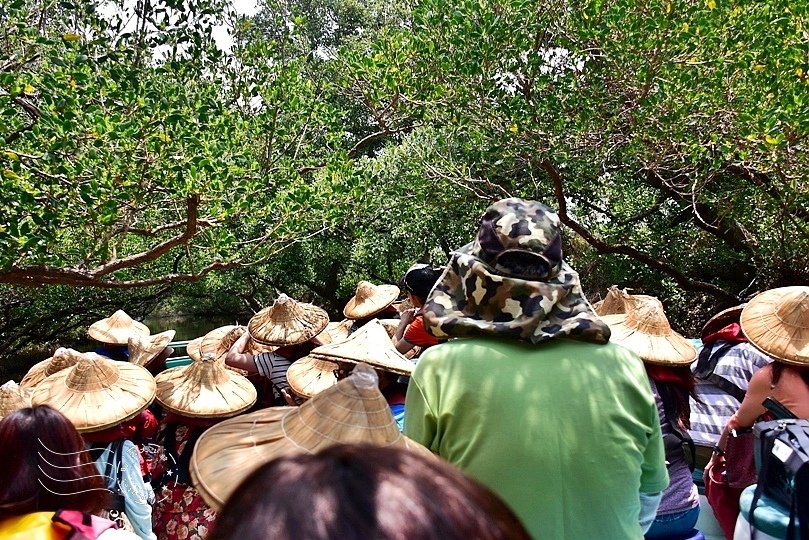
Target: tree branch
(603, 248)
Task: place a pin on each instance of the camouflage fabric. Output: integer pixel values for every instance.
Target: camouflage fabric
(511, 281)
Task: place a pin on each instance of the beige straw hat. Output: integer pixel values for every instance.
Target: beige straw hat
(335, 331)
(117, 329)
(352, 411)
(613, 303)
(204, 389)
(219, 341)
(97, 393)
(777, 323)
(309, 376)
(144, 349)
(12, 397)
(287, 322)
(192, 349)
(645, 330)
(62, 359)
(369, 300)
(370, 344)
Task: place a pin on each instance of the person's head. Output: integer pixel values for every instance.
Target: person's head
(418, 281)
(511, 281)
(362, 491)
(45, 466)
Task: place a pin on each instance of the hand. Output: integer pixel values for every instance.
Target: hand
(407, 317)
(289, 398)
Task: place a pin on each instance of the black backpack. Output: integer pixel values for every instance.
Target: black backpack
(782, 455)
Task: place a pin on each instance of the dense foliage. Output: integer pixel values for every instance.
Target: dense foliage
(337, 140)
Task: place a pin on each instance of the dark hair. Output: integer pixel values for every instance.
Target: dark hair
(419, 280)
(779, 367)
(674, 384)
(45, 465)
(363, 491)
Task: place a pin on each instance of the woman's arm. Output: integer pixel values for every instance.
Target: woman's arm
(752, 407)
(402, 345)
(237, 358)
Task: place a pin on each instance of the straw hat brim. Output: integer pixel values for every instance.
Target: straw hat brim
(267, 332)
(384, 296)
(765, 329)
(143, 355)
(96, 410)
(190, 398)
(669, 350)
(230, 451)
(721, 320)
(39, 371)
(309, 376)
(103, 332)
(13, 399)
(370, 344)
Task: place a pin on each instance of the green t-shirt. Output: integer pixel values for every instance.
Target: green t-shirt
(566, 432)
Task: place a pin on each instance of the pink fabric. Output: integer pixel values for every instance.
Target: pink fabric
(84, 526)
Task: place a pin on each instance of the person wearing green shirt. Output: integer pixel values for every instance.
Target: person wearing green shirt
(533, 401)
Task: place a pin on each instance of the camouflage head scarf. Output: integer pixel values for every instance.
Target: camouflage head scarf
(511, 281)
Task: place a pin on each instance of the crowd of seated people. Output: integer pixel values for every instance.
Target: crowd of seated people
(492, 401)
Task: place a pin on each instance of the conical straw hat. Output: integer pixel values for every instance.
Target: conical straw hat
(192, 349)
(309, 376)
(645, 330)
(287, 322)
(369, 300)
(721, 320)
(390, 326)
(352, 411)
(613, 303)
(12, 398)
(335, 331)
(144, 349)
(97, 392)
(204, 389)
(117, 329)
(777, 323)
(370, 344)
(219, 341)
(62, 359)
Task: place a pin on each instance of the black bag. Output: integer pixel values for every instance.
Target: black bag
(783, 459)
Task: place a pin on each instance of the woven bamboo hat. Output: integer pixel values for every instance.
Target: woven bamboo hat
(336, 331)
(144, 349)
(370, 344)
(721, 320)
(369, 300)
(287, 322)
(192, 349)
(645, 330)
(309, 376)
(117, 329)
(62, 359)
(204, 389)
(613, 303)
(352, 411)
(97, 392)
(777, 323)
(12, 397)
(219, 341)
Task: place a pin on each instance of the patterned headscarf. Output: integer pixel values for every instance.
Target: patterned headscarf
(511, 281)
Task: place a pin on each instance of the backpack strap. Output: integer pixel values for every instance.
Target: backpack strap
(680, 434)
